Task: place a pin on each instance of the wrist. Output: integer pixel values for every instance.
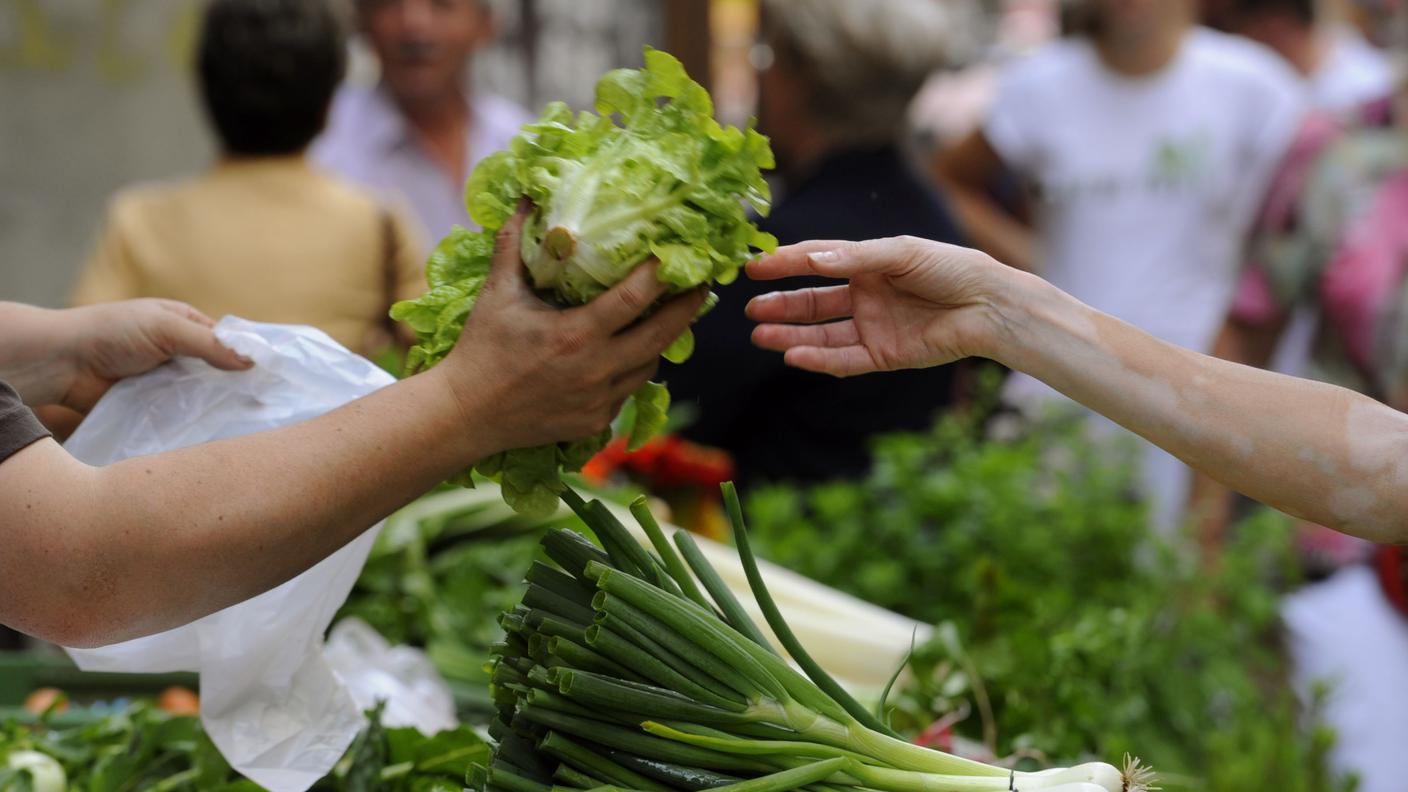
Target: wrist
(466, 411)
(37, 353)
(1024, 313)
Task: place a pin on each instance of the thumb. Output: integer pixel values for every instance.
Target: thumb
(187, 338)
(505, 267)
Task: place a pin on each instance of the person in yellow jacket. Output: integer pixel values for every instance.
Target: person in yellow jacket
(263, 234)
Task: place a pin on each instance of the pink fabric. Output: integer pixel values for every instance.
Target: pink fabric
(1278, 212)
(1366, 274)
(1254, 302)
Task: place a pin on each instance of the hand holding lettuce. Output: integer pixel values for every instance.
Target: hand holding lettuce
(667, 182)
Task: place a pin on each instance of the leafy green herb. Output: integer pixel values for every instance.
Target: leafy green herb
(1066, 627)
(138, 747)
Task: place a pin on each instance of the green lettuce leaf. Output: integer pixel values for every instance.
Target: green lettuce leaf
(652, 411)
(649, 174)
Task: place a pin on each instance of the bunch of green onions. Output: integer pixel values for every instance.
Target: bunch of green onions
(623, 669)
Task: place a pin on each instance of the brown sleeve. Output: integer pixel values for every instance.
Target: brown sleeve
(18, 426)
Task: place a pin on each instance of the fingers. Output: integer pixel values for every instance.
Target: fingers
(803, 305)
(186, 311)
(624, 302)
(625, 384)
(833, 259)
(790, 260)
(189, 338)
(647, 340)
(646, 370)
(846, 361)
(782, 337)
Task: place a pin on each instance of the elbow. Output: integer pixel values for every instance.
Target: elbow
(73, 636)
(1398, 532)
(80, 607)
(1391, 529)
(72, 624)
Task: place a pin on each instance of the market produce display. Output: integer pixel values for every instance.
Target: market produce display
(141, 747)
(1066, 627)
(619, 670)
(650, 174)
(438, 577)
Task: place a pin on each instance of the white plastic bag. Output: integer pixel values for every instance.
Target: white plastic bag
(403, 677)
(269, 701)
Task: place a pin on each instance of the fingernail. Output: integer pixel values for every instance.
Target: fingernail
(244, 361)
(824, 257)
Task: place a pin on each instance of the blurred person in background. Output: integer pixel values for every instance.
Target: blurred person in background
(418, 132)
(1149, 144)
(1375, 19)
(1334, 244)
(953, 102)
(838, 79)
(262, 234)
(1343, 70)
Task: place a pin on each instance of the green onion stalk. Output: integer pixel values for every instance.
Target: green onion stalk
(627, 669)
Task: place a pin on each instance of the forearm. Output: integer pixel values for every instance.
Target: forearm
(1315, 451)
(1210, 504)
(154, 542)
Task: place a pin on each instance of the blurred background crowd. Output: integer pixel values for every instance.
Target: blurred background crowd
(1230, 175)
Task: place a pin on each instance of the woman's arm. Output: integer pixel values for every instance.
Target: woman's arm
(1313, 450)
(97, 555)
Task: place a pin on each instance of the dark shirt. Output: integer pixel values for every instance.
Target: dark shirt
(782, 424)
(18, 426)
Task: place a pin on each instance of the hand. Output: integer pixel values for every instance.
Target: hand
(909, 303)
(544, 374)
(71, 357)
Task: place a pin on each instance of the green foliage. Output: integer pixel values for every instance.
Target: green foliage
(667, 181)
(139, 747)
(1066, 629)
(440, 574)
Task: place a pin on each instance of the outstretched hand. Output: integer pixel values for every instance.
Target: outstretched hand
(907, 303)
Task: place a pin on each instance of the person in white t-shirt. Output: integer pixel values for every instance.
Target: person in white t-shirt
(1344, 71)
(416, 135)
(1149, 144)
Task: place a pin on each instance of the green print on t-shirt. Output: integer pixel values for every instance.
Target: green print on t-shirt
(1179, 163)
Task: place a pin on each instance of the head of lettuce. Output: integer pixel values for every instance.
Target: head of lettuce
(650, 174)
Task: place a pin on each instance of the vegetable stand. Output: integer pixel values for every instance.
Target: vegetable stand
(609, 643)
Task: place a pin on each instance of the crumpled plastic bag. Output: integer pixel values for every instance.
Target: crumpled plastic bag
(269, 700)
(414, 692)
